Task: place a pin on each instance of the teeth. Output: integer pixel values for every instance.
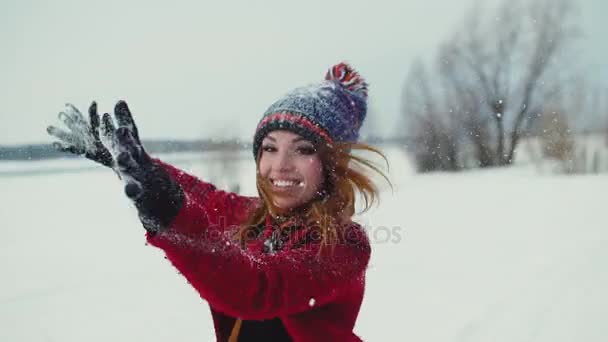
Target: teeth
(286, 183)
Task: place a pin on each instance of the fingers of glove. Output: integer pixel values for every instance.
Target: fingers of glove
(68, 148)
(73, 112)
(73, 119)
(125, 119)
(94, 120)
(78, 120)
(64, 136)
(107, 130)
(67, 120)
(107, 135)
(133, 190)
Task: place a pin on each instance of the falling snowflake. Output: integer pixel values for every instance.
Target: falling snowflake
(311, 302)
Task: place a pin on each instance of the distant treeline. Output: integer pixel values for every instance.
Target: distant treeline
(46, 151)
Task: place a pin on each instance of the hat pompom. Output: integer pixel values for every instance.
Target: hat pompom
(348, 78)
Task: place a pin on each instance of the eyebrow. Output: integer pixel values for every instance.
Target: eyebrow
(298, 139)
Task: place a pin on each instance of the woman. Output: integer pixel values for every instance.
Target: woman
(287, 266)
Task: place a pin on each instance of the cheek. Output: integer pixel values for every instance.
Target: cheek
(263, 166)
(314, 171)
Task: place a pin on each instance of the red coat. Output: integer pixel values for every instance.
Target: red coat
(316, 299)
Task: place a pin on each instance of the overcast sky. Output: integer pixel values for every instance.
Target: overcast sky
(202, 69)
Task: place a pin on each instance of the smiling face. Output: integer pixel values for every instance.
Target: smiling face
(292, 168)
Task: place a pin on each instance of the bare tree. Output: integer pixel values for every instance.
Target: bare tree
(434, 146)
(497, 73)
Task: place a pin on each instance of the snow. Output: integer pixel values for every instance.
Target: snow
(311, 302)
(492, 255)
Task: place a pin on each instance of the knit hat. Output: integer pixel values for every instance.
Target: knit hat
(330, 111)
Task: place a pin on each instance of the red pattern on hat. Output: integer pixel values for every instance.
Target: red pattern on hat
(296, 119)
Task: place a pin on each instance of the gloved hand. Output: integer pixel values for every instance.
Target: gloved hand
(157, 196)
(82, 137)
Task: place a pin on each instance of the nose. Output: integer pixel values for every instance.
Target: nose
(283, 162)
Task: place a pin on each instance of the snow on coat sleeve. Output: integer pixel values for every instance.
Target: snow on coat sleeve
(252, 285)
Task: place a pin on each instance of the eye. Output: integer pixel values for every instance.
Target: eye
(268, 148)
(306, 150)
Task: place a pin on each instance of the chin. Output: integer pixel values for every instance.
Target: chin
(286, 206)
(289, 203)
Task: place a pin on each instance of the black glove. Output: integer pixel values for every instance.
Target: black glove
(83, 136)
(157, 196)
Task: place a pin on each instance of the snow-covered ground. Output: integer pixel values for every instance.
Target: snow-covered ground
(493, 255)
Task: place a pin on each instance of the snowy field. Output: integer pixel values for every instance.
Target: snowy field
(495, 255)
